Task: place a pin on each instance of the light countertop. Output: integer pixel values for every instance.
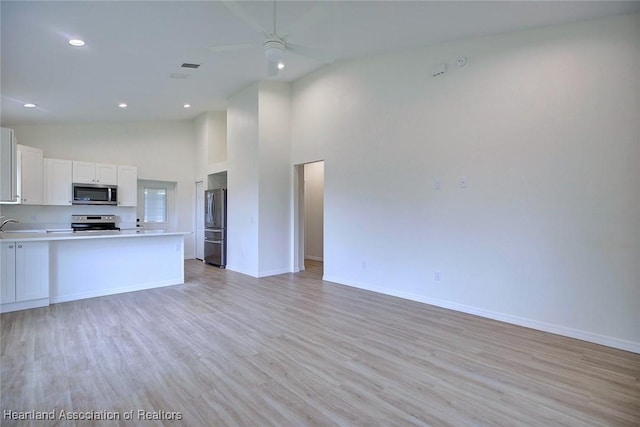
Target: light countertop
(39, 235)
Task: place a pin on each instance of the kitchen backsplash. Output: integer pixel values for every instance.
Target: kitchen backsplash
(59, 217)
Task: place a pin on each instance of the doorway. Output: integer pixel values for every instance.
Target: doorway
(309, 218)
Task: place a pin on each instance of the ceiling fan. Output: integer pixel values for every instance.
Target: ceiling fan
(275, 45)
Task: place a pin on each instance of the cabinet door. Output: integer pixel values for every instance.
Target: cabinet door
(8, 167)
(57, 178)
(84, 172)
(106, 174)
(7, 272)
(127, 186)
(32, 270)
(31, 175)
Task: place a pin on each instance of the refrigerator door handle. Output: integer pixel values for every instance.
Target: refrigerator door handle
(213, 209)
(209, 208)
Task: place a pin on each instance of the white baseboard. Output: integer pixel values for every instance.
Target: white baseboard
(507, 318)
(23, 305)
(274, 272)
(105, 292)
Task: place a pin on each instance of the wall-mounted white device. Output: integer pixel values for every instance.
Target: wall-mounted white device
(439, 70)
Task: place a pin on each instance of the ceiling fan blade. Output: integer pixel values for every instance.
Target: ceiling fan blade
(310, 52)
(317, 15)
(233, 47)
(235, 8)
(272, 69)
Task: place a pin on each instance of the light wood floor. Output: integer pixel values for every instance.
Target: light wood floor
(291, 350)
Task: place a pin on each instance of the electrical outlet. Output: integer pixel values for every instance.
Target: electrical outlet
(463, 182)
(436, 276)
(437, 185)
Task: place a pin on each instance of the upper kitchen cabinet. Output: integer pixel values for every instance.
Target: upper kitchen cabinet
(30, 175)
(57, 182)
(8, 167)
(127, 185)
(95, 173)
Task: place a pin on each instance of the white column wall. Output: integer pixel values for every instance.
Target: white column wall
(242, 180)
(259, 180)
(275, 178)
(542, 124)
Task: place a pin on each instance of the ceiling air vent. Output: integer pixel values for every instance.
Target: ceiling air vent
(188, 65)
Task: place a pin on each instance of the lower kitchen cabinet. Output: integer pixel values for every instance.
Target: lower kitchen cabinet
(24, 279)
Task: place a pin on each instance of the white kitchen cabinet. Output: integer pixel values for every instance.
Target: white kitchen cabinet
(57, 182)
(95, 173)
(25, 275)
(30, 172)
(127, 185)
(84, 172)
(7, 272)
(8, 166)
(106, 174)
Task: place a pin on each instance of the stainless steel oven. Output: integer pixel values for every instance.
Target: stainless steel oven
(93, 223)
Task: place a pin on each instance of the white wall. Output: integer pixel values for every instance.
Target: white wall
(543, 124)
(259, 180)
(276, 174)
(314, 210)
(242, 179)
(211, 143)
(162, 150)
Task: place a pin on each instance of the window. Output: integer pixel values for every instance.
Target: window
(157, 209)
(155, 205)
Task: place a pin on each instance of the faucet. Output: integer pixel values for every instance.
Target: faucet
(6, 221)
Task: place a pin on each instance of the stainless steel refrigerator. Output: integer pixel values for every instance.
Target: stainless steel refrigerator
(215, 227)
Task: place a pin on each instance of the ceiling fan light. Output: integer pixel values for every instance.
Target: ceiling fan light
(274, 50)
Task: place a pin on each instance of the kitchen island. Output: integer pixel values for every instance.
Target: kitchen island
(41, 268)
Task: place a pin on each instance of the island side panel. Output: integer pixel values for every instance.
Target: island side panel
(87, 268)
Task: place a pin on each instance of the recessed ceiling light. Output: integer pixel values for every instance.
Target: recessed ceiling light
(29, 105)
(280, 65)
(76, 42)
(187, 105)
(122, 105)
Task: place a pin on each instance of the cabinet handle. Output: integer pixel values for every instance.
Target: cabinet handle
(10, 246)
(19, 246)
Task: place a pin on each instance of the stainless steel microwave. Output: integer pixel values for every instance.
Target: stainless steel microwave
(95, 194)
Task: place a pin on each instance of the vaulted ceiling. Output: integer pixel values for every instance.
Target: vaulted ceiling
(134, 50)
